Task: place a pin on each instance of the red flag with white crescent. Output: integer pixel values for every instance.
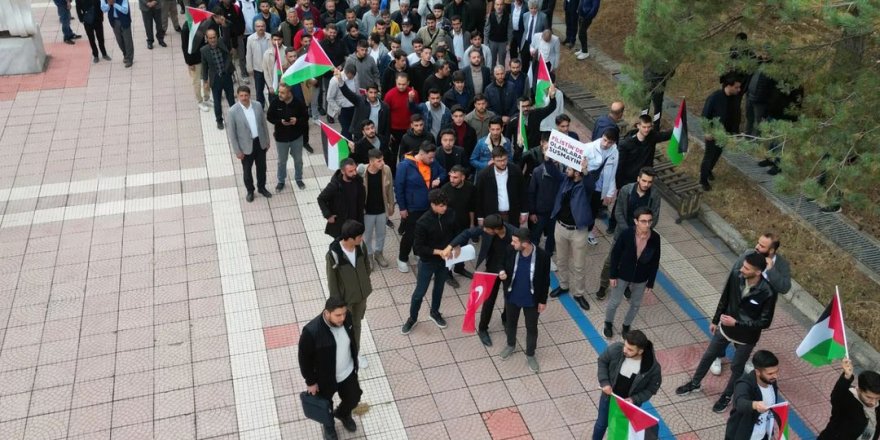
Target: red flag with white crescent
(481, 287)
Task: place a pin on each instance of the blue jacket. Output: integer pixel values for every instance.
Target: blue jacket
(273, 24)
(409, 187)
(502, 100)
(467, 235)
(482, 154)
(543, 188)
(446, 122)
(580, 197)
(588, 9)
(603, 123)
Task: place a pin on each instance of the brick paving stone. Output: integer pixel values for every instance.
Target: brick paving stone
(505, 423)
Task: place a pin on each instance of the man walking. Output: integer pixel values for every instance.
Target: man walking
(290, 118)
(723, 106)
(755, 393)
(119, 15)
(217, 70)
(379, 187)
(854, 411)
(328, 362)
(636, 151)
(526, 278)
(257, 45)
(249, 139)
(635, 260)
(629, 370)
(343, 198)
(543, 188)
(348, 276)
(587, 10)
(433, 231)
(602, 159)
(417, 174)
(151, 11)
(194, 62)
(745, 308)
(461, 203)
(63, 7)
(89, 13)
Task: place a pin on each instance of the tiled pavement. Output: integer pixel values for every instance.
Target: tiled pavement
(143, 298)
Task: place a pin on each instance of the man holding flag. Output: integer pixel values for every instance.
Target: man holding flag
(756, 394)
(192, 39)
(526, 278)
(854, 411)
(524, 130)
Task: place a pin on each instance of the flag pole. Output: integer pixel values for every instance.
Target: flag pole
(840, 310)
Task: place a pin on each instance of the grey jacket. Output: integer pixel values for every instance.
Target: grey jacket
(240, 134)
(644, 385)
(624, 218)
(779, 276)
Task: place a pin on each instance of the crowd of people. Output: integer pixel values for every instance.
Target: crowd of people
(431, 98)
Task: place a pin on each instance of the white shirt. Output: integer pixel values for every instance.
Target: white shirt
(630, 367)
(516, 13)
(764, 425)
(595, 155)
(352, 256)
(251, 119)
(344, 362)
(458, 44)
(501, 181)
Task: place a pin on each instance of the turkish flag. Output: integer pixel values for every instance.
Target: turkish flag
(481, 287)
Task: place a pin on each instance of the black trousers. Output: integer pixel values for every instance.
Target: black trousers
(396, 152)
(409, 229)
(531, 317)
(489, 306)
(220, 85)
(710, 159)
(583, 26)
(349, 393)
(153, 16)
(258, 157)
(96, 32)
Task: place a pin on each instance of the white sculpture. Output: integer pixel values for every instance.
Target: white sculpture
(17, 18)
(21, 51)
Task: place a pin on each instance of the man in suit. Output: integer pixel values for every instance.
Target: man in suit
(327, 367)
(249, 138)
(526, 278)
(531, 23)
(476, 75)
(500, 190)
(217, 69)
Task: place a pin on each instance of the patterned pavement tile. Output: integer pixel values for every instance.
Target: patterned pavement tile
(505, 423)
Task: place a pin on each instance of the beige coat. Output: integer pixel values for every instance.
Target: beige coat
(387, 187)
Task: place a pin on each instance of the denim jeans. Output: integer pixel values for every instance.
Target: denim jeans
(427, 269)
(374, 224)
(64, 18)
(295, 149)
(717, 346)
(546, 227)
(222, 84)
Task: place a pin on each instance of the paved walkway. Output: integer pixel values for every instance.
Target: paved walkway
(143, 298)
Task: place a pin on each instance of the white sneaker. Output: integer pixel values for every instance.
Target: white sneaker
(362, 362)
(402, 266)
(203, 106)
(553, 266)
(749, 367)
(583, 55)
(578, 52)
(592, 241)
(715, 369)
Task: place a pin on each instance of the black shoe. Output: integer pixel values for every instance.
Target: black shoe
(249, 197)
(601, 294)
(581, 301)
(265, 193)
(162, 43)
(77, 36)
(624, 330)
(765, 163)
(95, 60)
(503, 319)
(687, 389)
(706, 186)
(177, 29)
(330, 119)
(465, 273)
(150, 46)
(711, 176)
(774, 170)
(610, 230)
(557, 291)
(300, 184)
(330, 433)
(438, 319)
(627, 293)
(485, 338)
(830, 209)
(347, 422)
(400, 229)
(106, 57)
(389, 223)
(129, 63)
(69, 42)
(608, 331)
(452, 282)
(309, 148)
(722, 404)
(220, 125)
(279, 187)
(407, 326)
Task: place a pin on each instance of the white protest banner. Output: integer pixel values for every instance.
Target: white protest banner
(565, 150)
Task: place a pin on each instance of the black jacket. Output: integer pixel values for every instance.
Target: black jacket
(461, 203)
(317, 353)
(726, 109)
(432, 232)
(533, 128)
(542, 190)
(487, 192)
(470, 141)
(332, 202)
(279, 111)
(336, 51)
(433, 82)
(194, 58)
(540, 278)
(647, 381)
(456, 157)
(626, 266)
(753, 313)
(363, 146)
(848, 419)
(635, 154)
(742, 417)
(89, 12)
(486, 240)
(362, 110)
(411, 142)
(389, 77)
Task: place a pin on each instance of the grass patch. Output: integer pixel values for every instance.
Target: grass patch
(815, 264)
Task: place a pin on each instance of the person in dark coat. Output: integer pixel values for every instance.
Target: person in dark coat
(324, 373)
(465, 135)
(630, 370)
(415, 136)
(92, 18)
(723, 107)
(753, 394)
(500, 169)
(344, 198)
(533, 117)
(542, 194)
(449, 154)
(363, 105)
(526, 278)
(850, 406)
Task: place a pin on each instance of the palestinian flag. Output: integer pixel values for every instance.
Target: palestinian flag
(678, 145)
(195, 17)
(627, 421)
(543, 83)
(523, 135)
(780, 413)
(313, 65)
(337, 146)
(826, 340)
(276, 75)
